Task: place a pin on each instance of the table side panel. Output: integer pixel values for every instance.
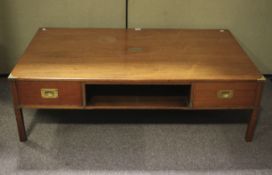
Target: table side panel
(206, 94)
(69, 93)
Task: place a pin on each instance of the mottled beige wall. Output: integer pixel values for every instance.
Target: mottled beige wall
(249, 20)
(3, 59)
(22, 18)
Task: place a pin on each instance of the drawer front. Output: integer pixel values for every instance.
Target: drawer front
(227, 94)
(49, 93)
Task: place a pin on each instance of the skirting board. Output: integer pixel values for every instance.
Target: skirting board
(4, 75)
(268, 76)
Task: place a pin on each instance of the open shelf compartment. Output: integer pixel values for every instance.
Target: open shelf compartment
(137, 96)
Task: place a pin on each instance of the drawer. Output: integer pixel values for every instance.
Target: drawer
(49, 93)
(226, 94)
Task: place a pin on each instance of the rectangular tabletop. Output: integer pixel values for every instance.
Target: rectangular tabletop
(134, 55)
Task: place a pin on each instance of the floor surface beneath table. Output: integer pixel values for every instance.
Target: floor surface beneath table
(134, 142)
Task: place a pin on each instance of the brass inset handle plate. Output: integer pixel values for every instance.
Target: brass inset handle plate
(135, 49)
(225, 94)
(49, 93)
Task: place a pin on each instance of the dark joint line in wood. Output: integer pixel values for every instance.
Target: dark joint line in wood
(126, 14)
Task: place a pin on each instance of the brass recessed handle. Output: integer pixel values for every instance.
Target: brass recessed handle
(225, 94)
(49, 93)
(135, 49)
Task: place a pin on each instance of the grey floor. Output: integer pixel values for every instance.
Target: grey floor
(134, 142)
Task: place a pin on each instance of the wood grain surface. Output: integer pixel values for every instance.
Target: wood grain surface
(149, 55)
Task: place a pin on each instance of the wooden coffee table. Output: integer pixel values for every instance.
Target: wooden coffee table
(168, 69)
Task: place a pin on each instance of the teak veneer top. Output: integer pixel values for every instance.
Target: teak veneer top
(131, 55)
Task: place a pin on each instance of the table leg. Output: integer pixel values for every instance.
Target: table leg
(254, 114)
(252, 124)
(20, 124)
(18, 113)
